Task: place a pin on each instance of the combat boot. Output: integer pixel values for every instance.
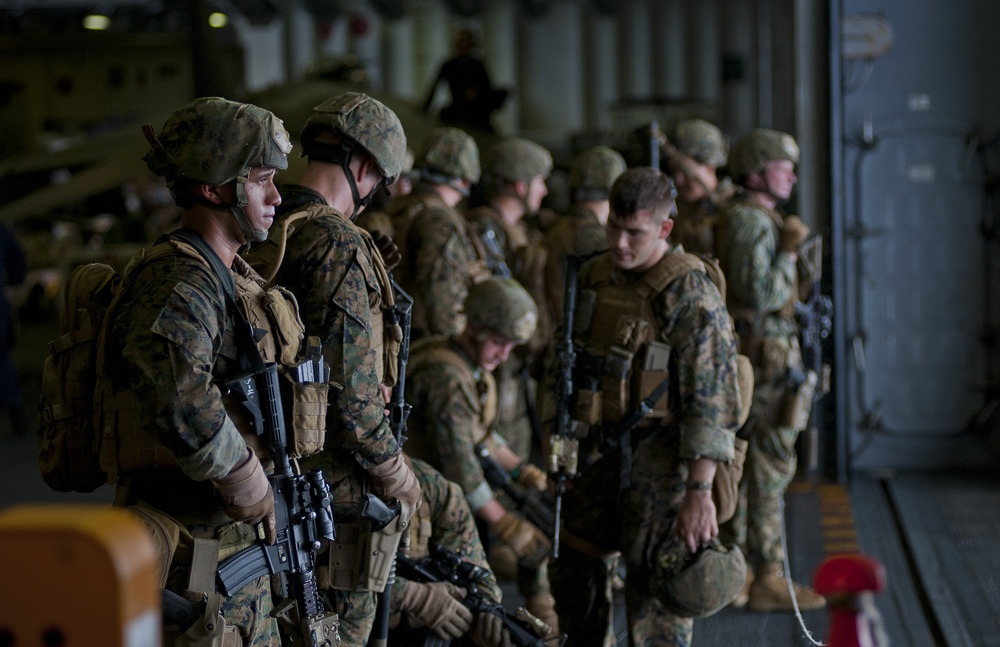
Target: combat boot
(769, 592)
(744, 595)
(543, 607)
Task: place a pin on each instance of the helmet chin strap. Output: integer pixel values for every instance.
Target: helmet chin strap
(252, 235)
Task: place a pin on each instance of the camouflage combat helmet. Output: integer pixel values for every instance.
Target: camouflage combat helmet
(518, 160)
(503, 307)
(701, 141)
(700, 585)
(758, 147)
(214, 141)
(594, 171)
(450, 153)
(367, 123)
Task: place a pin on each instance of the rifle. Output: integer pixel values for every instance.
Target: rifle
(303, 516)
(815, 318)
(373, 508)
(448, 566)
(530, 502)
(563, 447)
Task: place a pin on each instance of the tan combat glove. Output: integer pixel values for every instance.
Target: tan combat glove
(394, 479)
(529, 543)
(437, 606)
(532, 476)
(489, 631)
(793, 233)
(246, 494)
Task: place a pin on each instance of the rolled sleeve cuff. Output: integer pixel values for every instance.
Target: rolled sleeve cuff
(706, 441)
(480, 496)
(217, 457)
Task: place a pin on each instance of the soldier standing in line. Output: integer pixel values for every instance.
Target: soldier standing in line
(454, 397)
(441, 259)
(581, 231)
(515, 187)
(181, 458)
(355, 145)
(694, 154)
(652, 308)
(758, 252)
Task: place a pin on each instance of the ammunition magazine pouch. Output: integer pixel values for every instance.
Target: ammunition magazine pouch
(625, 379)
(796, 405)
(359, 559)
(726, 486)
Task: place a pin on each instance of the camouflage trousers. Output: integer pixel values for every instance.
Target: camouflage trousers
(639, 522)
(649, 510)
(357, 615)
(769, 469)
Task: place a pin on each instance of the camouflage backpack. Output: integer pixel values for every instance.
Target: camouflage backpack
(68, 442)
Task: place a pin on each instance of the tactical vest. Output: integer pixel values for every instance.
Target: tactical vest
(126, 447)
(386, 339)
(480, 392)
(623, 361)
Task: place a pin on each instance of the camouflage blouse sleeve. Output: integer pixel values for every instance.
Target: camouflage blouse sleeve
(701, 334)
(760, 277)
(334, 281)
(171, 335)
(443, 262)
(452, 524)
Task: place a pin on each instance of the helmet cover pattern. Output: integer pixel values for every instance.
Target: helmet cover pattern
(504, 307)
(596, 169)
(213, 141)
(519, 160)
(367, 122)
(701, 141)
(760, 146)
(452, 152)
(697, 585)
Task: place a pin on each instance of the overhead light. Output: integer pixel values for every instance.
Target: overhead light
(96, 22)
(218, 20)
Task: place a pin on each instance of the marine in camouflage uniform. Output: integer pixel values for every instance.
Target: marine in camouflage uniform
(515, 186)
(174, 338)
(758, 251)
(694, 153)
(676, 448)
(581, 231)
(443, 520)
(441, 258)
(355, 145)
(451, 388)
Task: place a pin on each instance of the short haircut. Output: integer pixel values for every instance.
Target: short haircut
(641, 188)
